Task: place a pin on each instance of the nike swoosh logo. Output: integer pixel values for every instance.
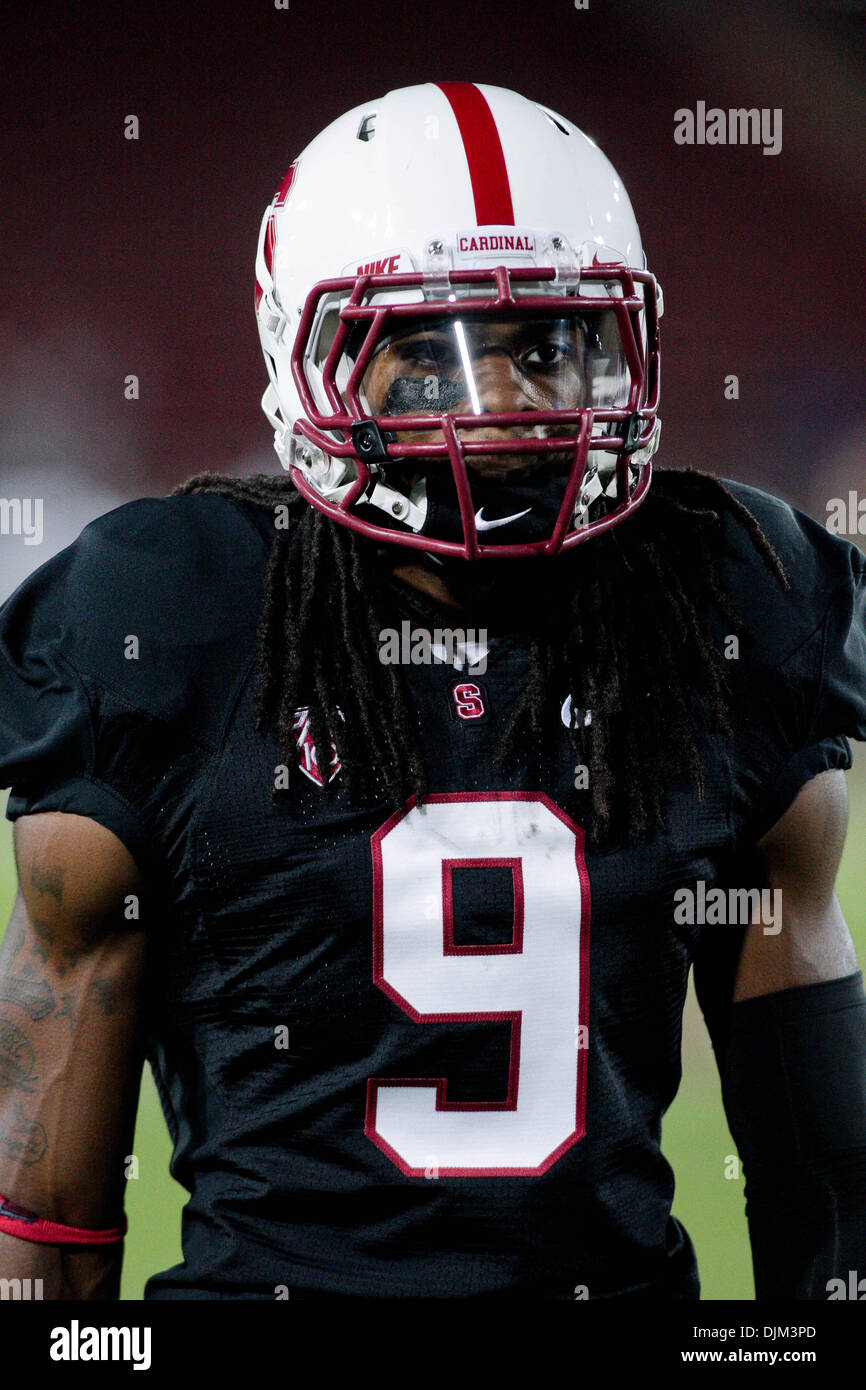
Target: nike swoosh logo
(484, 525)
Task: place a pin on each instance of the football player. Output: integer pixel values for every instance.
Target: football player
(404, 924)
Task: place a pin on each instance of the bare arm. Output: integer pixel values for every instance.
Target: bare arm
(71, 969)
(800, 856)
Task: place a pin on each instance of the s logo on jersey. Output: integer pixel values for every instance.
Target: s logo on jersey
(468, 703)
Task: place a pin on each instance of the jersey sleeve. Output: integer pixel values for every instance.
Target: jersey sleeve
(47, 718)
(118, 659)
(813, 702)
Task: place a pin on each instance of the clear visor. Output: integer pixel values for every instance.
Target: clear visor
(475, 365)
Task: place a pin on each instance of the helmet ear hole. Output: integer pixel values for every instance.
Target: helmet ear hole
(327, 332)
(325, 337)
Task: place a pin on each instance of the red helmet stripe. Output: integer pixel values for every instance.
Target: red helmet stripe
(279, 201)
(270, 243)
(490, 186)
(284, 189)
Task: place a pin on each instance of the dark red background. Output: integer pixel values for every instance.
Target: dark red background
(123, 257)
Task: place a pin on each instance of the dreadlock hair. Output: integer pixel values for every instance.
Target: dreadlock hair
(621, 622)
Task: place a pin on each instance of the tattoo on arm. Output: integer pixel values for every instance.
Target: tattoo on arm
(36, 997)
(104, 995)
(70, 1003)
(101, 993)
(46, 937)
(16, 1059)
(47, 880)
(69, 954)
(21, 1137)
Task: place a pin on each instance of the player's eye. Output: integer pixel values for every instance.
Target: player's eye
(552, 352)
(427, 351)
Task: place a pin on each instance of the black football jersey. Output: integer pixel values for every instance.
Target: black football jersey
(420, 1053)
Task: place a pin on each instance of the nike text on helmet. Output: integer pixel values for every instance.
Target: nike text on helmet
(463, 216)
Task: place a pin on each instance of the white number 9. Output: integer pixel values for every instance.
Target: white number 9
(539, 981)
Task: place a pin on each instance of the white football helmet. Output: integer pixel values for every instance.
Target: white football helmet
(414, 237)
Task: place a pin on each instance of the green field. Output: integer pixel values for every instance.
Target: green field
(696, 1138)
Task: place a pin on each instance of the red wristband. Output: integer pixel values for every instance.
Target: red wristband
(26, 1225)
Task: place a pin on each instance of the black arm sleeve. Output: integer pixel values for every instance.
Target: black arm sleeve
(794, 1088)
